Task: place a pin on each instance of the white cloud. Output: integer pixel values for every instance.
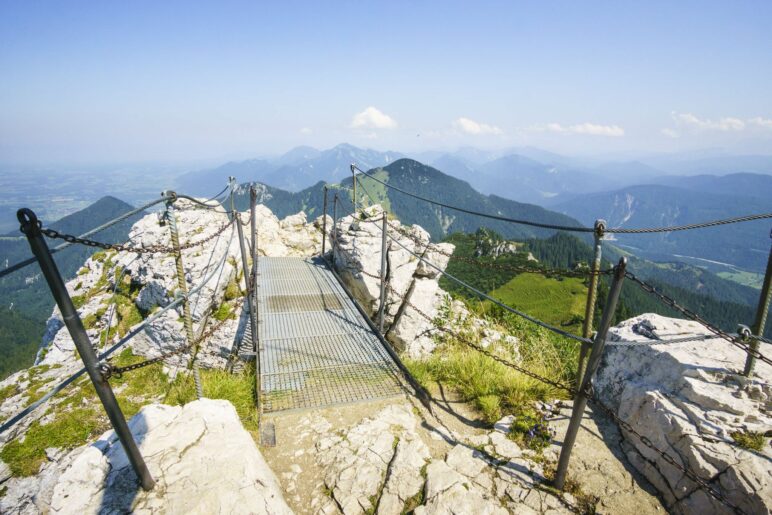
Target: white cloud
(372, 118)
(722, 124)
(671, 133)
(305, 131)
(472, 127)
(591, 129)
(761, 122)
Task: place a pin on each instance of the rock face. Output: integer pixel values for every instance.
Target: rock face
(146, 283)
(153, 280)
(202, 459)
(383, 465)
(689, 399)
(358, 260)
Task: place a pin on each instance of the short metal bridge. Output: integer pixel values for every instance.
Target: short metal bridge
(316, 347)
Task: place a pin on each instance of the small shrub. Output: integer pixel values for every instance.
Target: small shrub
(750, 440)
(232, 290)
(530, 430)
(223, 312)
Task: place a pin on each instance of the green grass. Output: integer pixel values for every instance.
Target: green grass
(232, 290)
(559, 302)
(750, 440)
(8, 391)
(530, 430)
(237, 388)
(224, 312)
(492, 387)
(79, 417)
(751, 279)
(128, 313)
(66, 432)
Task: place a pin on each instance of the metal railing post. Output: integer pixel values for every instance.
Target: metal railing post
(354, 186)
(253, 307)
(324, 223)
(582, 395)
(247, 285)
(592, 296)
(30, 226)
(182, 286)
(760, 322)
(334, 227)
(382, 306)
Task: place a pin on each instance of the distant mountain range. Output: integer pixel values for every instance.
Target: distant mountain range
(584, 189)
(745, 245)
(429, 182)
(297, 169)
(422, 180)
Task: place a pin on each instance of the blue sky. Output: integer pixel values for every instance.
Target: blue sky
(180, 81)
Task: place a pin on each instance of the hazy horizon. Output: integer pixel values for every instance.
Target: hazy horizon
(184, 83)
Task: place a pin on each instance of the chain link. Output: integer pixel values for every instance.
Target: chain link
(618, 230)
(560, 386)
(701, 483)
(150, 249)
(736, 341)
(110, 370)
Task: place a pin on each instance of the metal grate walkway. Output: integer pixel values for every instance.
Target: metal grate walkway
(316, 348)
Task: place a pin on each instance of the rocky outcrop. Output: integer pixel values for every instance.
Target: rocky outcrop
(383, 465)
(202, 459)
(412, 284)
(152, 281)
(147, 282)
(691, 402)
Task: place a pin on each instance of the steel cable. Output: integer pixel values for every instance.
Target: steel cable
(477, 213)
(131, 334)
(488, 297)
(617, 230)
(702, 225)
(477, 262)
(100, 228)
(701, 483)
(668, 301)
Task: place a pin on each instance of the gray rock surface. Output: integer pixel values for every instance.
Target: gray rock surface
(201, 457)
(689, 399)
(384, 465)
(358, 260)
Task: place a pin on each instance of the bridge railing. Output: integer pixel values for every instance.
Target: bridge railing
(592, 345)
(97, 365)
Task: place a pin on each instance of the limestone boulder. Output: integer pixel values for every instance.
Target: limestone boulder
(690, 401)
(202, 459)
(412, 285)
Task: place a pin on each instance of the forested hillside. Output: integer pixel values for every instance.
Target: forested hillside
(723, 302)
(425, 181)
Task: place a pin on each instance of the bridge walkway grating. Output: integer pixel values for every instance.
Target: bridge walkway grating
(316, 348)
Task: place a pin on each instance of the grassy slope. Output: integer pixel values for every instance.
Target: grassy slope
(744, 278)
(556, 301)
(79, 417)
(492, 387)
